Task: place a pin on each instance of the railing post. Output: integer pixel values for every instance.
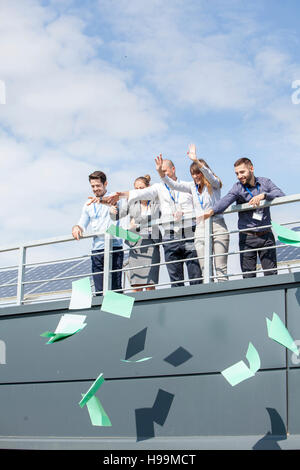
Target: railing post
(208, 261)
(107, 262)
(21, 274)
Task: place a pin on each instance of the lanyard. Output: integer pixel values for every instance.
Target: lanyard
(200, 199)
(96, 213)
(248, 190)
(171, 195)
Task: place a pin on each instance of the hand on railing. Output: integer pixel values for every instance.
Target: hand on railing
(77, 232)
(158, 165)
(255, 201)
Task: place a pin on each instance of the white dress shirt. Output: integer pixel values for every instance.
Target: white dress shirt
(99, 218)
(170, 202)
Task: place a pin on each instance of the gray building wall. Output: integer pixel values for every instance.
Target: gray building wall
(154, 403)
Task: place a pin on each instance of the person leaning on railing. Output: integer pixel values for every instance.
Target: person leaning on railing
(205, 190)
(251, 189)
(144, 252)
(98, 216)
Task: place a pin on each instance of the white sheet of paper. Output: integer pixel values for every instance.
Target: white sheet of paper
(70, 323)
(81, 294)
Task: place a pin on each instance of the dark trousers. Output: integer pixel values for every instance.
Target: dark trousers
(180, 250)
(98, 265)
(267, 257)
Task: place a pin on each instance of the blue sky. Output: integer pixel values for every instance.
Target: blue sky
(109, 84)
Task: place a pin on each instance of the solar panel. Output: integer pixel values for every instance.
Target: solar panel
(41, 274)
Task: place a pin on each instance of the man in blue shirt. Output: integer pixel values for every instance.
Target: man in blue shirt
(252, 190)
(98, 215)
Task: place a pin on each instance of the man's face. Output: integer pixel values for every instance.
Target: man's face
(98, 188)
(244, 173)
(168, 169)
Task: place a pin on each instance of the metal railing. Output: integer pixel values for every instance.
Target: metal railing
(208, 257)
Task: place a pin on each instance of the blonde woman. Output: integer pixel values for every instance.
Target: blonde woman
(206, 191)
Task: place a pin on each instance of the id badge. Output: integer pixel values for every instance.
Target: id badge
(257, 215)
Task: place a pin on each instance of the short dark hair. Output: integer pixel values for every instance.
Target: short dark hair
(243, 160)
(98, 175)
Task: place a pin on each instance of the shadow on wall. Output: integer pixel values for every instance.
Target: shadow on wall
(278, 433)
(146, 417)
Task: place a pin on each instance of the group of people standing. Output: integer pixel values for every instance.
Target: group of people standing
(181, 207)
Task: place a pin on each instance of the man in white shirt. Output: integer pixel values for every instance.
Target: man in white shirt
(173, 205)
(98, 216)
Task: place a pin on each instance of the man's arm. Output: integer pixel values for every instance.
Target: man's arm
(78, 229)
(272, 191)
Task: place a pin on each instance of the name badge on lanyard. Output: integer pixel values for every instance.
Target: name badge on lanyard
(258, 213)
(200, 199)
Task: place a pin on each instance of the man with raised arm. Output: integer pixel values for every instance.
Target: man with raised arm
(98, 216)
(256, 234)
(178, 242)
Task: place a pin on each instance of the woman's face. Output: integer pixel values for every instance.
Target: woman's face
(139, 184)
(197, 177)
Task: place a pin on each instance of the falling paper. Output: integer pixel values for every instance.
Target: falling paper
(118, 304)
(81, 294)
(92, 390)
(67, 326)
(139, 360)
(288, 242)
(240, 371)
(278, 332)
(97, 414)
(121, 233)
(237, 373)
(2, 92)
(286, 233)
(253, 358)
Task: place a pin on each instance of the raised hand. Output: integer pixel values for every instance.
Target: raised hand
(192, 152)
(158, 165)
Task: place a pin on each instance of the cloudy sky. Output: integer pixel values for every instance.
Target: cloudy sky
(109, 84)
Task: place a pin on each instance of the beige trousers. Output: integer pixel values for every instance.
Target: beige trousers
(220, 247)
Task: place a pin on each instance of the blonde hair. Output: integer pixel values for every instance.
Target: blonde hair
(146, 179)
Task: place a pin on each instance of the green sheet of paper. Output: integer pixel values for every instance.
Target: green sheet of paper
(120, 232)
(288, 242)
(61, 336)
(139, 360)
(237, 373)
(81, 294)
(92, 390)
(118, 304)
(286, 233)
(240, 371)
(253, 358)
(68, 325)
(97, 414)
(279, 333)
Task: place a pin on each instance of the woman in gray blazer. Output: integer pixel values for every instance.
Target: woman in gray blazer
(144, 253)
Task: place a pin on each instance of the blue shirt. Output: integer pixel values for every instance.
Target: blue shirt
(98, 216)
(240, 194)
